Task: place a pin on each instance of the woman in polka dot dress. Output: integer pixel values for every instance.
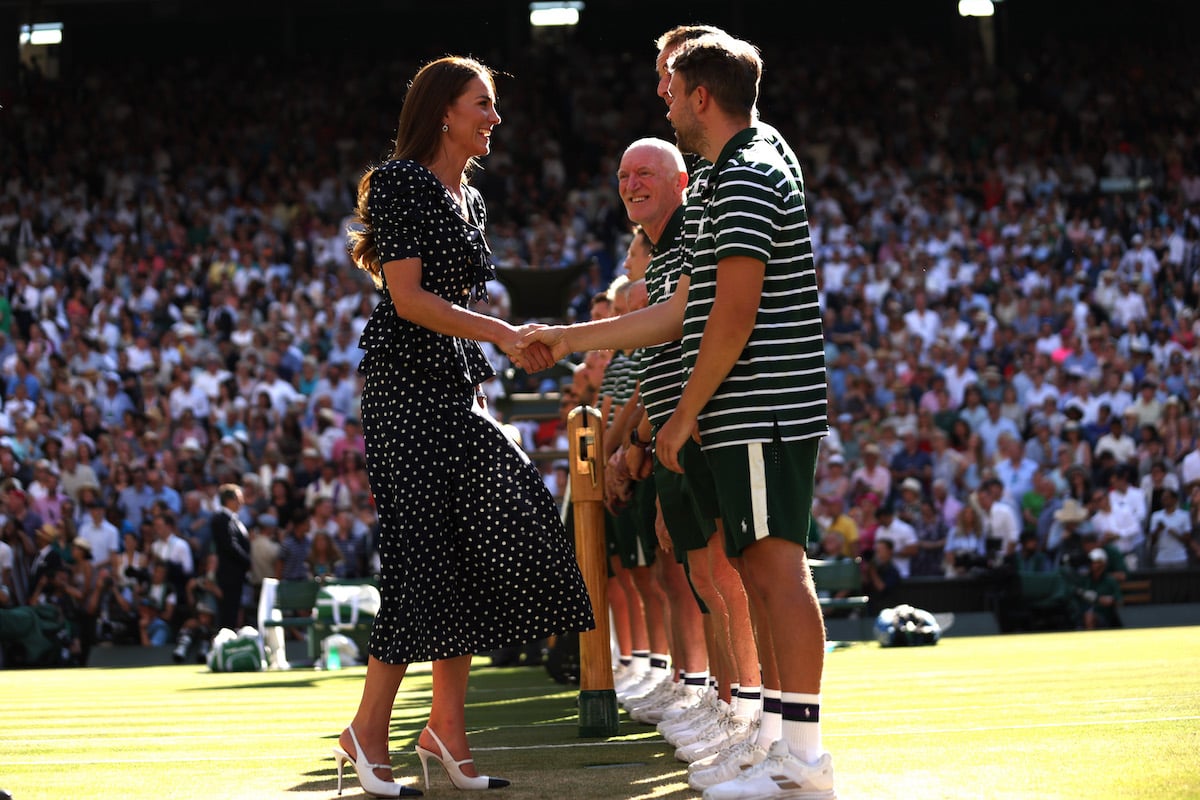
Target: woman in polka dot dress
(473, 554)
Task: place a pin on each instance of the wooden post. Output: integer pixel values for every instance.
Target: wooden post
(598, 713)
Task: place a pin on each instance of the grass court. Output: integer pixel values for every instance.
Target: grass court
(1082, 715)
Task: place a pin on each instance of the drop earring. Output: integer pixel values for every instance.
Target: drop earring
(445, 128)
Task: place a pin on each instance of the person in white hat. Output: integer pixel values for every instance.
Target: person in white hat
(1098, 594)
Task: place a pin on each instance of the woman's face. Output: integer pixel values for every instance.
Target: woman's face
(471, 117)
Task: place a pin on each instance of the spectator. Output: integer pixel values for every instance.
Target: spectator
(901, 538)
(156, 607)
(324, 559)
(1124, 494)
(264, 550)
(351, 542)
(881, 577)
(49, 498)
(162, 493)
(831, 517)
(1116, 525)
(232, 553)
(872, 476)
(204, 595)
(932, 534)
(135, 499)
(835, 482)
(328, 484)
(912, 461)
(1117, 441)
(112, 605)
(965, 552)
(194, 524)
(291, 563)
(172, 550)
(1098, 594)
(74, 475)
(1029, 557)
(1000, 526)
(1170, 532)
(101, 535)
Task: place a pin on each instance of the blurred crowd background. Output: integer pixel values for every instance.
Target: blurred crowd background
(1007, 243)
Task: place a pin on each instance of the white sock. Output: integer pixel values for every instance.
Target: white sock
(802, 725)
(770, 727)
(641, 661)
(695, 682)
(748, 703)
(658, 665)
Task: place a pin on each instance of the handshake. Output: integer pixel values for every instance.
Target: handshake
(535, 347)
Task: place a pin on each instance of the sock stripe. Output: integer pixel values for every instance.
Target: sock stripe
(658, 663)
(801, 712)
(772, 705)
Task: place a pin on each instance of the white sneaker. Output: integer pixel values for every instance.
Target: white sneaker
(631, 677)
(727, 732)
(729, 764)
(640, 691)
(780, 775)
(719, 756)
(648, 691)
(703, 728)
(663, 694)
(697, 717)
(621, 673)
(683, 698)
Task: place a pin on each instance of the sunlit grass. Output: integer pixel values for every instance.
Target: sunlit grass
(1074, 715)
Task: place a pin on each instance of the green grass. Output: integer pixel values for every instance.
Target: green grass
(1075, 715)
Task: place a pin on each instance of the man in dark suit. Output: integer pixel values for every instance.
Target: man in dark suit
(232, 546)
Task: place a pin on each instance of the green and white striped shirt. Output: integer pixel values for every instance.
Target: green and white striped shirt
(616, 383)
(752, 204)
(661, 371)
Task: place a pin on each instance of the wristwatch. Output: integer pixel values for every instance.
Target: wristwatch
(635, 440)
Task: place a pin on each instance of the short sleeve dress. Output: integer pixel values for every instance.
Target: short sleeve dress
(472, 551)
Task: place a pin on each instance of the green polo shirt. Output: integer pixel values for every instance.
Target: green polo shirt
(752, 204)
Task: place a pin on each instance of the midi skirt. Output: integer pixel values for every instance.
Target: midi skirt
(473, 554)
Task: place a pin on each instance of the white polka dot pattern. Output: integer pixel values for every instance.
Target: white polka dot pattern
(473, 554)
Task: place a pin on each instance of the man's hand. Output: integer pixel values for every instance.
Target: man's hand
(639, 462)
(660, 530)
(553, 337)
(532, 356)
(618, 486)
(671, 438)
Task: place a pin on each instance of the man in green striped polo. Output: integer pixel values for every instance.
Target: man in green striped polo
(756, 350)
(753, 350)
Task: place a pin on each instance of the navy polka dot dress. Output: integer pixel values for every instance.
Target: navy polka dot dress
(473, 554)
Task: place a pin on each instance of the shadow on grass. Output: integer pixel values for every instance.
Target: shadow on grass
(522, 725)
(313, 682)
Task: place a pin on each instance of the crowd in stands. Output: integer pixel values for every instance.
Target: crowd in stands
(1010, 271)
